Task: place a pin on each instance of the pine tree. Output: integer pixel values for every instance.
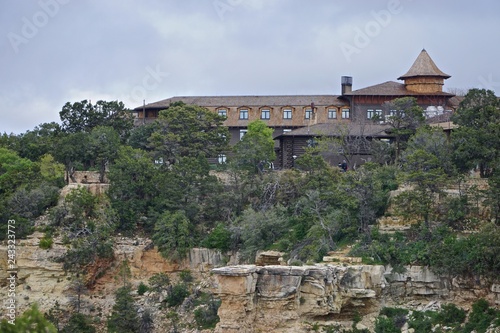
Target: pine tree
(124, 317)
(79, 323)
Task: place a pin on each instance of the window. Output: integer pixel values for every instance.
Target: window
(286, 130)
(312, 142)
(346, 113)
(308, 114)
(242, 133)
(221, 158)
(287, 114)
(393, 113)
(222, 112)
(244, 114)
(332, 113)
(374, 113)
(265, 114)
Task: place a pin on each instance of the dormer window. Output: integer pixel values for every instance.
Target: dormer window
(287, 113)
(222, 112)
(332, 113)
(265, 114)
(308, 114)
(244, 114)
(346, 113)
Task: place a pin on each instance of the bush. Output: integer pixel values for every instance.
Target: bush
(32, 203)
(177, 295)
(206, 316)
(219, 238)
(46, 243)
(32, 320)
(386, 325)
(394, 319)
(81, 203)
(421, 322)
(79, 323)
(393, 312)
(481, 317)
(142, 288)
(159, 282)
(186, 276)
(450, 315)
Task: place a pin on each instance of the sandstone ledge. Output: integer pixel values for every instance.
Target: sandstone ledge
(285, 298)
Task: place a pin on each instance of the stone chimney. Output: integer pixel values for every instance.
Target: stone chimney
(346, 82)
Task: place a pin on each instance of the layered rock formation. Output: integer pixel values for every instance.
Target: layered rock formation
(272, 298)
(291, 298)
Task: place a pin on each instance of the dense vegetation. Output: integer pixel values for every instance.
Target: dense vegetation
(163, 186)
(449, 318)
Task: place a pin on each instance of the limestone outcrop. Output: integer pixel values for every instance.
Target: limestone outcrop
(290, 298)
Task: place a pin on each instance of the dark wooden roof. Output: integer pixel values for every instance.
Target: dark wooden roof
(390, 88)
(454, 102)
(342, 129)
(424, 66)
(249, 101)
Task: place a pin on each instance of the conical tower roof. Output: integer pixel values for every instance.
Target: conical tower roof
(424, 66)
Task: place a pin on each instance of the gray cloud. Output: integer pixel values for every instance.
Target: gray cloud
(112, 49)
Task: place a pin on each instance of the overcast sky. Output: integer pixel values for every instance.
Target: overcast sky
(58, 51)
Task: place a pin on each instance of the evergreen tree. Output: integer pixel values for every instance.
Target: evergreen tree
(188, 130)
(79, 323)
(124, 318)
(256, 148)
(476, 141)
(405, 117)
(172, 235)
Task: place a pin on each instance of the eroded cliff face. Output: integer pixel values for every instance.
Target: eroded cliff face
(272, 298)
(39, 278)
(43, 281)
(292, 298)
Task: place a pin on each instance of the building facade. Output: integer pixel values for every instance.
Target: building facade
(297, 119)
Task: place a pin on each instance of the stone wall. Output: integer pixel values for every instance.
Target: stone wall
(87, 177)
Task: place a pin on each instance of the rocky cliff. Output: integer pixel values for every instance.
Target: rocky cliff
(293, 298)
(273, 298)
(43, 281)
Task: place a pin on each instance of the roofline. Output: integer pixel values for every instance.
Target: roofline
(179, 98)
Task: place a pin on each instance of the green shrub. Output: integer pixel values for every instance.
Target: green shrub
(481, 317)
(206, 316)
(177, 295)
(450, 315)
(391, 320)
(46, 243)
(79, 323)
(421, 322)
(393, 312)
(386, 325)
(81, 202)
(159, 282)
(219, 238)
(142, 288)
(186, 276)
